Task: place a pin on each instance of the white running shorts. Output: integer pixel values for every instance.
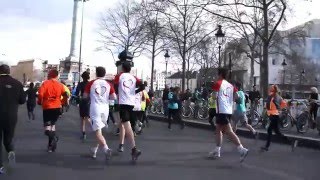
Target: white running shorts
(99, 120)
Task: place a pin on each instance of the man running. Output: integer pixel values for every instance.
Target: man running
(11, 95)
(31, 100)
(240, 112)
(126, 85)
(99, 91)
(225, 98)
(49, 96)
(84, 106)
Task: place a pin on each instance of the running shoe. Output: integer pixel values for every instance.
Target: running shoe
(214, 155)
(120, 149)
(94, 152)
(243, 154)
(264, 149)
(12, 158)
(135, 154)
(83, 137)
(294, 144)
(2, 170)
(54, 143)
(49, 150)
(108, 154)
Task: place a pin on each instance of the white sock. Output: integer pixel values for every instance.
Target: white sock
(105, 148)
(254, 132)
(218, 148)
(240, 148)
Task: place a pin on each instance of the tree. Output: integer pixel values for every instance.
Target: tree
(272, 14)
(150, 13)
(122, 28)
(186, 26)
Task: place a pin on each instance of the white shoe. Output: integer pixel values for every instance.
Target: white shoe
(243, 154)
(108, 154)
(214, 155)
(94, 152)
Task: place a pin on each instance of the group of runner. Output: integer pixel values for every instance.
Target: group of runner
(131, 99)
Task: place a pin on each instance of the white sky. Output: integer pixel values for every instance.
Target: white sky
(42, 28)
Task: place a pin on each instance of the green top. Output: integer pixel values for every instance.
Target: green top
(241, 107)
(212, 102)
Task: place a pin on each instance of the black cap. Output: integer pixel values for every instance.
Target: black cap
(4, 69)
(125, 56)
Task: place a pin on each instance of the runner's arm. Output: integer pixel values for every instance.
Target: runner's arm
(40, 94)
(140, 85)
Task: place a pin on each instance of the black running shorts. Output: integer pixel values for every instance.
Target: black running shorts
(50, 116)
(30, 106)
(84, 109)
(126, 113)
(223, 119)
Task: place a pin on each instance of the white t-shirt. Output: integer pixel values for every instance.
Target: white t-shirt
(225, 100)
(138, 99)
(126, 84)
(99, 91)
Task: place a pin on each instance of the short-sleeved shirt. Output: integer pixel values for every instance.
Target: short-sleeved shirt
(32, 96)
(241, 107)
(126, 84)
(50, 93)
(99, 91)
(225, 92)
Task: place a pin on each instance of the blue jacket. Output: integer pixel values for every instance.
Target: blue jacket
(173, 101)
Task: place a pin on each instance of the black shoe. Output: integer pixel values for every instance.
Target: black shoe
(264, 149)
(54, 143)
(135, 154)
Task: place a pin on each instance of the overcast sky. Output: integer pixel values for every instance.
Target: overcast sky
(42, 28)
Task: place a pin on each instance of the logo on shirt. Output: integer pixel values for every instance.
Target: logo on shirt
(128, 83)
(227, 92)
(101, 90)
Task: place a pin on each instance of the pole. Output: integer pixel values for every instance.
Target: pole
(219, 56)
(80, 51)
(230, 66)
(165, 81)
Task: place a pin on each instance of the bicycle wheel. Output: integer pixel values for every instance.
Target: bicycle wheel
(285, 120)
(255, 119)
(186, 111)
(203, 113)
(302, 122)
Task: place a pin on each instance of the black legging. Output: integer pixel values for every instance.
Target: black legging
(274, 125)
(314, 111)
(7, 127)
(212, 114)
(176, 115)
(137, 115)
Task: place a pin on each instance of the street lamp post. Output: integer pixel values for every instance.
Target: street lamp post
(220, 38)
(302, 75)
(166, 56)
(284, 64)
(81, 32)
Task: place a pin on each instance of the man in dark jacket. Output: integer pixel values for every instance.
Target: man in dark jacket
(11, 95)
(165, 99)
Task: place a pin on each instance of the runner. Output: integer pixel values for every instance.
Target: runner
(212, 109)
(49, 96)
(175, 108)
(225, 98)
(65, 99)
(240, 112)
(100, 91)
(144, 105)
(11, 95)
(137, 112)
(84, 106)
(274, 104)
(126, 86)
(31, 100)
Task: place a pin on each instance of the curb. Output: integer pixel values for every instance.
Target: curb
(307, 142)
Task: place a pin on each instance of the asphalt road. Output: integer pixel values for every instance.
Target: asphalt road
(170, 155)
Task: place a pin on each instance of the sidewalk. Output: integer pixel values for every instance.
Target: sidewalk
(304, 140)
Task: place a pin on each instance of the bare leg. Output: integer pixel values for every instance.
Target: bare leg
(234, 138)
(129, 133)
(122, 133)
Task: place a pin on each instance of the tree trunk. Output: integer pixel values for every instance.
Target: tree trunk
(152, 64)
(264, 71)
(252, 72)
